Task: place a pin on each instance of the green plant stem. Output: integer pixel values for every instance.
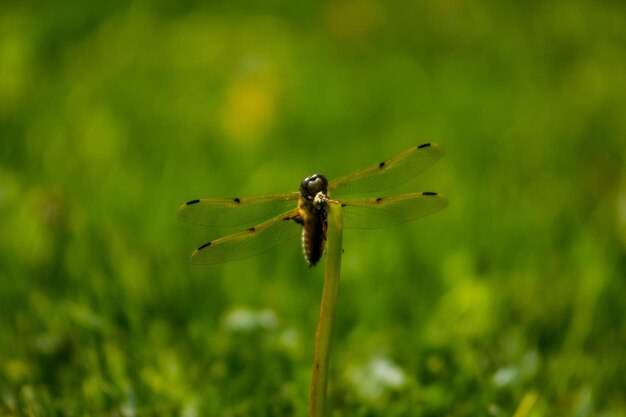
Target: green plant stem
(327, 309)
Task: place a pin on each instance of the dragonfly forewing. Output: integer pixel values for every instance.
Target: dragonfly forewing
(373, 213)
(250, 242)
(388, 174)
(236, 211)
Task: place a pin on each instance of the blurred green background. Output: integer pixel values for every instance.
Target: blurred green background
(509, 302)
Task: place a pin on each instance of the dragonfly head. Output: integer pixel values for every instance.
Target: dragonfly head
(312, 185)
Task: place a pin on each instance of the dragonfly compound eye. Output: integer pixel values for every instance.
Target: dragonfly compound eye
(312, 185)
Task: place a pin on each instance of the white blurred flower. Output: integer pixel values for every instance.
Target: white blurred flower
(379, 374)
(505, 376)
(243, 319)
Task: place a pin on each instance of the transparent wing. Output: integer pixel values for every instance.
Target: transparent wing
(236, 211)
(372, 213)
(250, 242)
(389, 173)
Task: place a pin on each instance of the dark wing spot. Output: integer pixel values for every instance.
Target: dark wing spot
(204, 246)
(236, 200)
(425, 145)
(379, 199)
(192, 202)
(381, 165)
(429, 193)
(252, 229)
(343, 204)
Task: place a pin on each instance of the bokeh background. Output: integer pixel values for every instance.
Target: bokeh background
(509, 302)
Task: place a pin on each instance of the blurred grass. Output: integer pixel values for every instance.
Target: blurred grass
(111, 115)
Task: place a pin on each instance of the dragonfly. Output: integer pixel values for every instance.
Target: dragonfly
(284, 216)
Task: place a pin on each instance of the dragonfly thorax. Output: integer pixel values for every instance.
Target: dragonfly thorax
(311, 186)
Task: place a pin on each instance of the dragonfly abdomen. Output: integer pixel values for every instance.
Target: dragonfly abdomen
(313, 237)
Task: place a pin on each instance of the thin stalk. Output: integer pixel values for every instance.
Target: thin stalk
(327, 309)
